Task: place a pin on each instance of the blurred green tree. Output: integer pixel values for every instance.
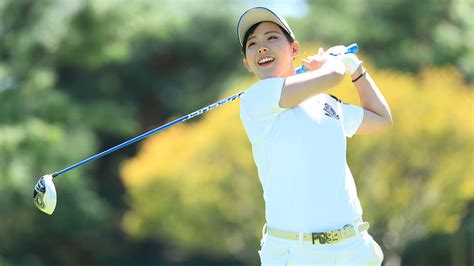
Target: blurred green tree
(41, 129)
(401, 34)
(77, 77)
(444, 249)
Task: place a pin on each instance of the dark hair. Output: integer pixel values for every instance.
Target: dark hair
(252, 29)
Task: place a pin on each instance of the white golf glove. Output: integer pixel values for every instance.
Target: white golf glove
(351, 61)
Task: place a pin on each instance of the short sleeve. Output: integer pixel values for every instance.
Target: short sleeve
(351, 118)
(262, 100)
(259, 105)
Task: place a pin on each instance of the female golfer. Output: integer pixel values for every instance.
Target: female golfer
(298, 136)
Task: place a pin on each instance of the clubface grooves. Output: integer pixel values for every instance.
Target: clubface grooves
(38, 194)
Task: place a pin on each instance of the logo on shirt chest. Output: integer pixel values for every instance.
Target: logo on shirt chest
(329, 111)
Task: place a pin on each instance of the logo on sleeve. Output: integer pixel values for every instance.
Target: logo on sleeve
(329, 111)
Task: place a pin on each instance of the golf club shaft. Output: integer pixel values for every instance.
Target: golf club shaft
(353, 48)
(350, 49)
(151, 132)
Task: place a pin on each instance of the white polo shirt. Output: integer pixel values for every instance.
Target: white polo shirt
(300, 155)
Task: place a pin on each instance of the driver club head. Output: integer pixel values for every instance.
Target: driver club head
(44, 195)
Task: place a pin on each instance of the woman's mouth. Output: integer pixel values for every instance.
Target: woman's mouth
(266, 61)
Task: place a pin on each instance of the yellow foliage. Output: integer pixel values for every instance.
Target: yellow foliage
(196, 182)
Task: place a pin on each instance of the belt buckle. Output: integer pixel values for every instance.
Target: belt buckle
(349, 230)
(327, 237)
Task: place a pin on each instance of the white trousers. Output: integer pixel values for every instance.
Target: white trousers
(357, 250)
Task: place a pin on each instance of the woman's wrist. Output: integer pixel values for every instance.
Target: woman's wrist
(359, 71)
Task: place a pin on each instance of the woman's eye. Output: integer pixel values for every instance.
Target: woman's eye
(250, 44)
(272, 37)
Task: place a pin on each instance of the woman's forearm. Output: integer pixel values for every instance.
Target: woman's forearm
(371, 98)
(298, 88)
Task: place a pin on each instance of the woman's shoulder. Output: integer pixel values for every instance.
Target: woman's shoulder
(268, 82)
(264, 87)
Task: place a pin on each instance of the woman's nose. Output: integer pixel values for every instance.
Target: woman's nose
(263, 49)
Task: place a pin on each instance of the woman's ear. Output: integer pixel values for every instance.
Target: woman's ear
(246, 64)
(295, 49)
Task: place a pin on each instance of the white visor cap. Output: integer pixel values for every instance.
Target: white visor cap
(260, 14)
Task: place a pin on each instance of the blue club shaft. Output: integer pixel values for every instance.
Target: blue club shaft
(353, 48)
(151, 132)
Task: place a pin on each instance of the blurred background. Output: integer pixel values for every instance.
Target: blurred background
(80, 76)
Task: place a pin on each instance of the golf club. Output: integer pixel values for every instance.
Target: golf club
(44, 194)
